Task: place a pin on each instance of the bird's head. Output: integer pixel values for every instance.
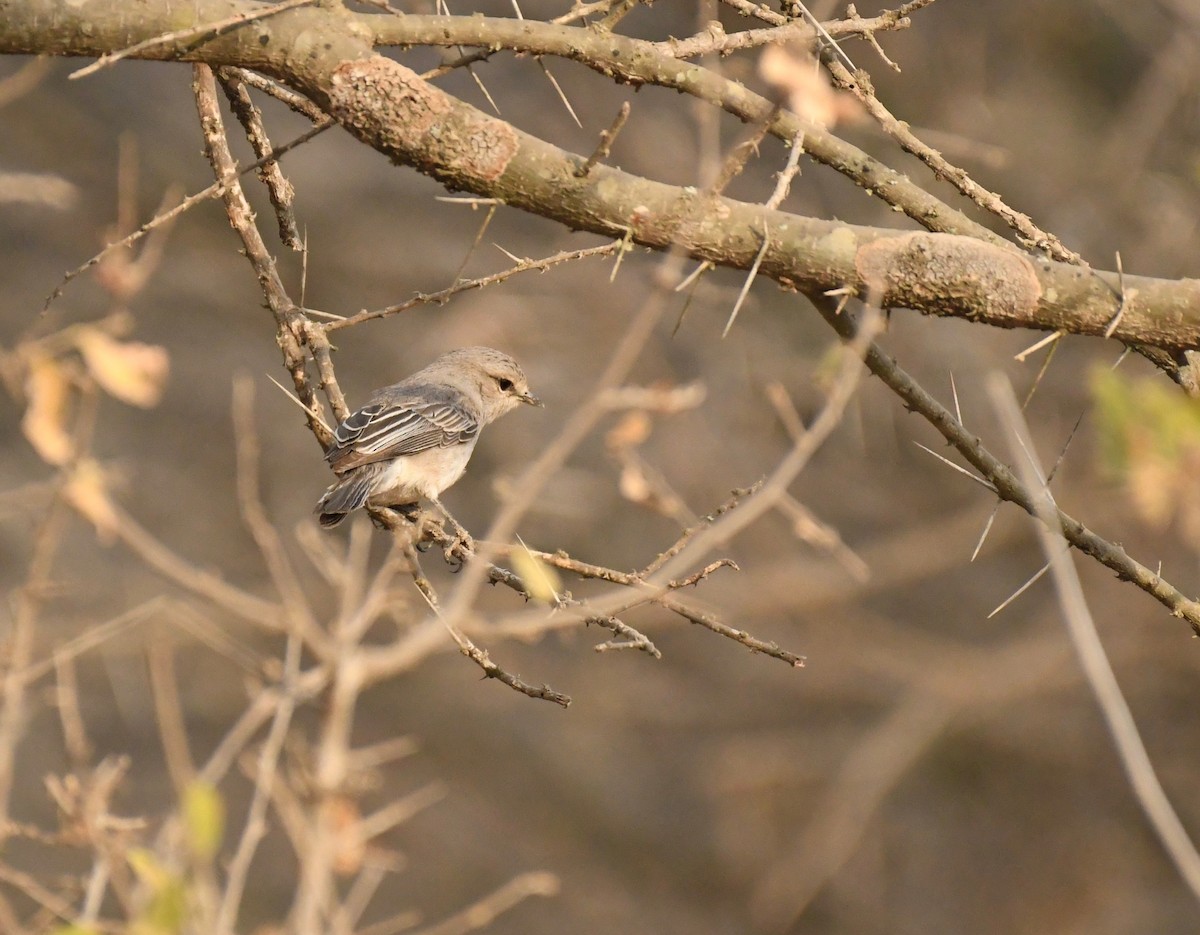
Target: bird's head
(501, 381)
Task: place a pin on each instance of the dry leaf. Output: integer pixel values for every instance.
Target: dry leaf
(87, 491)
(131, 371)
(48, 390)
(541, 581)
(796, 74)
(630, 432)
(349, 847)
(646, 491)
(633, 484)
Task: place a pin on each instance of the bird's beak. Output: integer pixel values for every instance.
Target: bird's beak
(531, 400)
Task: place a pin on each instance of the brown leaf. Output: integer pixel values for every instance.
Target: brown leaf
(641, 487)
(87, 491)
(631, 431)
(796, 74)
(345, 819)
(131, 371)
(48, 390)
(633, 483)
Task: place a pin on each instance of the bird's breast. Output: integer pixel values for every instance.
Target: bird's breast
(424, 474)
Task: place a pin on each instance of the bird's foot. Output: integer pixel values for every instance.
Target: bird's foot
(429, 532)
(457, 544)
(459, 549)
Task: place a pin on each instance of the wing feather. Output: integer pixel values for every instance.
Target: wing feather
(391, 428)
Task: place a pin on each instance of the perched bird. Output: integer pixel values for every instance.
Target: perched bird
(413, 439)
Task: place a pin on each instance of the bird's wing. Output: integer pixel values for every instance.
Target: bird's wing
(391, 427)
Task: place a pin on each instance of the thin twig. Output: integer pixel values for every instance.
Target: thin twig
(1007, 484)
(296, 102)
(1126, 296)
(279, 189)
(288, 318)
(255, 827)
(216, 190)
(483, 913)
(607, 138)
(784, 183)
(522, 266)
(480, 656)
(487, 220)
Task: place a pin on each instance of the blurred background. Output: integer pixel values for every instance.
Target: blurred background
(931, 769)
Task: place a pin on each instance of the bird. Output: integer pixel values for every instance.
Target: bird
(413, 439)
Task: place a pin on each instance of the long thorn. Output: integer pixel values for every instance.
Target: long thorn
(961, 470)
(1021, 590)
(750, 277)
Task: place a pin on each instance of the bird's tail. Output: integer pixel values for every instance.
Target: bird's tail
(344, 497)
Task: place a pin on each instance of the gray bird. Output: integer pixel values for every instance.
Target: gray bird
(413, 439)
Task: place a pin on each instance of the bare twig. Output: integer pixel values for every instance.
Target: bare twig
(255, 827)
(1008, 486)
(287, 317)
(607, 138)
(296, 102)
(216, 190)
(483, 913)
(522, 266)
(480, 656)
(279, 189)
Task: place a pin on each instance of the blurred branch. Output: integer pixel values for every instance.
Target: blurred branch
(255, 827)
(300, 618)
(484, 912)
(192, 578)
(853, 795)
(20, 645)
(1093, 659)
(23, 80)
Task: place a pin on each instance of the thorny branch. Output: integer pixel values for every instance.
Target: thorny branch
(1064, 297)
(1007, 485)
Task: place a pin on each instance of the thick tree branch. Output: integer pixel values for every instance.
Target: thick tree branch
(328, 54)
(638, 62)
(391, 109)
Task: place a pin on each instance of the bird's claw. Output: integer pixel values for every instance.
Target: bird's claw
(429, 531)
(460, 548)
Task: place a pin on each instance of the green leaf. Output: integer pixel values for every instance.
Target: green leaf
(166, 910)
(204, 819)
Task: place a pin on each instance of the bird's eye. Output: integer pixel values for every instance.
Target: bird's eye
(505, 384)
